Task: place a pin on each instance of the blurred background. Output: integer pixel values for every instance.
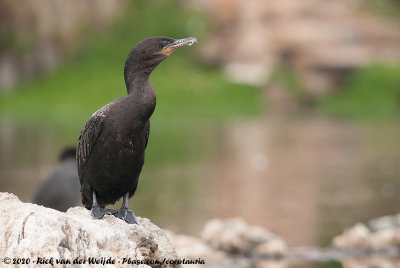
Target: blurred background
(286, 113)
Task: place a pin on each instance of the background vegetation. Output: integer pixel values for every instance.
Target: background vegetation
(194, 101)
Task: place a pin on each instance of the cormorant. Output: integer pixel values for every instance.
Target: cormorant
(60, 190)
(110, 152)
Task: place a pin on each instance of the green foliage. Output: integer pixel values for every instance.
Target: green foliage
(373, 93)
(191, 98)
(385, 8)
(329, 264)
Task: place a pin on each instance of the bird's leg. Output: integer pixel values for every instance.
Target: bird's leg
(98, 212)
(124, 213)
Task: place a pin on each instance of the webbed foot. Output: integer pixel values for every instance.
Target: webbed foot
(126, 215)
(98, 212)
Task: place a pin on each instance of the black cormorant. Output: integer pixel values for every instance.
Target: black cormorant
(61, 189)
(110, 152)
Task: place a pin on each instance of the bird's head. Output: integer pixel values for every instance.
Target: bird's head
(151, 51)
(159, 47)
(147, 54)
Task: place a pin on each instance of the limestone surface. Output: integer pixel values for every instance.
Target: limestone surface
(235, 236)
(41, 235)
(378, 234)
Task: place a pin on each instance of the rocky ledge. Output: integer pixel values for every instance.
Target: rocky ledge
(223, 243)
(378, 234)
(35, 234)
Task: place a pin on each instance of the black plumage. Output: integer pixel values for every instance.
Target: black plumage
(111, 147)
(60, 190)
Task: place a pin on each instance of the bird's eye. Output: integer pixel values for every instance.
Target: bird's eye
(164, 44)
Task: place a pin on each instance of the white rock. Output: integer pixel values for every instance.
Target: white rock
(272, 264)
(32, 231)
(384, 234)
(275, 247)
(355, 237)
(386, 222)
(372, 261)
(194, 248)
(235, 236)
(385, 238)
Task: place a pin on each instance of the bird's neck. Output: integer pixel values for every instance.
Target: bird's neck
(136, 83)
(137, 72)
(141, 93)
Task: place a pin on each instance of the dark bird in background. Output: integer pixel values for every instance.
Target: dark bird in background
(110, 152)
(61, 189)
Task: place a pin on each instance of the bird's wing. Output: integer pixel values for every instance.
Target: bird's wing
(86, 140)
(88, 137)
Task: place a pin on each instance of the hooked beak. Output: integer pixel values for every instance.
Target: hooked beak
(177, 44)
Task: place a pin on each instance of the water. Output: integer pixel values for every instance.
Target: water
(309, 178)
(305, 179)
